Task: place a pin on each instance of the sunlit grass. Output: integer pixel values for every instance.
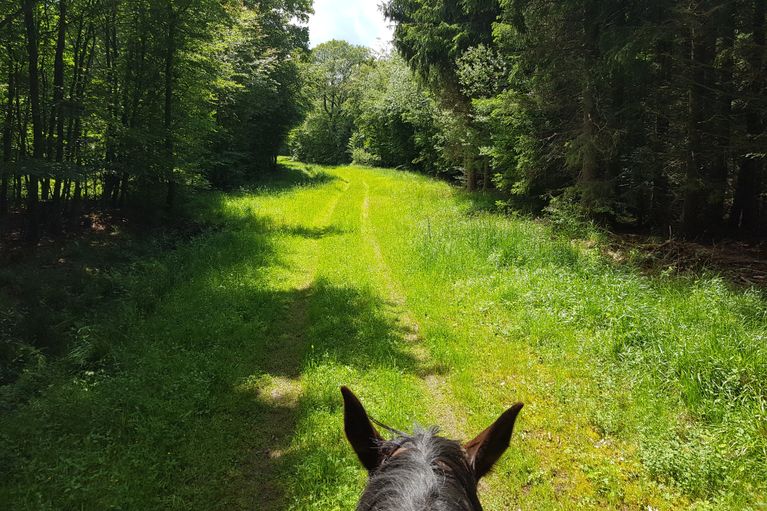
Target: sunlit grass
(666, 371)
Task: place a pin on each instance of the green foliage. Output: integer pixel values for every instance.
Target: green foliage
(482, 72)
(329, 76)
(321, 139)
(142, 94)
(649, 113)
(262, 100)
(370, 111)
(567, 216)
(361, 156)
(395, 120)
(432, 37)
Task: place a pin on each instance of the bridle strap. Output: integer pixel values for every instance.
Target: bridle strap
(384, 426)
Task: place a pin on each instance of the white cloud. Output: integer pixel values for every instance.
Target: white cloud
(357, 21)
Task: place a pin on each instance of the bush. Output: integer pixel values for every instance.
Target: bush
(361, 156)
(568, 217)
(321, 140)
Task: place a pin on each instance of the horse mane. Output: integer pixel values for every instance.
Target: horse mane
(421, 472)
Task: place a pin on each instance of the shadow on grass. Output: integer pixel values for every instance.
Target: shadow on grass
(186, 395)
(147, 363)
(479, 201)
(314, 233)
(330, 325)
(49, 294)
(494, 201)
(354, 337)
(286, 176)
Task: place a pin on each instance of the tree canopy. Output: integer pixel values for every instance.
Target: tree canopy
(646, 114)
(104, 101)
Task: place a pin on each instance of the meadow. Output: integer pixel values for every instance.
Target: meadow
(209, 378)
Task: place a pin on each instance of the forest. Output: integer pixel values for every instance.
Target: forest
(644, 116)
(211, 220)
(110, 103)
(647, 116)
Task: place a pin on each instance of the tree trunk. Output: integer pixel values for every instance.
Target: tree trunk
(76, 153)
(660, 203)
(695, 187)
(7, 139)
(58, 83)
(471, 172)
(745, 210)
(79, 51)
(57, 118)
(111, 179)
(719, 171)
(76, 209)
(38, 140)
(170, 58)
(589, 172)
(123, 190)
(17, 189)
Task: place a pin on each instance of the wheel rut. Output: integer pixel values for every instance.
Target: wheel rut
(440, 407)
(278, 389)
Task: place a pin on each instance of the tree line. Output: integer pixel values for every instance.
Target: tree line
(648, 113)
(111, 101)
(369, 108)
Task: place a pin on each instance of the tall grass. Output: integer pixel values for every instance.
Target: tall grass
(691, 351)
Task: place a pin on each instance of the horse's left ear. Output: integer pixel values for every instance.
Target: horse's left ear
(360, 432)
(489, 446)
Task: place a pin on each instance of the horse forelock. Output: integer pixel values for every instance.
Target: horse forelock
(421, 472)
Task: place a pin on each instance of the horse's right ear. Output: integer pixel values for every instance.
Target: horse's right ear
(360, 432)
(489, 445)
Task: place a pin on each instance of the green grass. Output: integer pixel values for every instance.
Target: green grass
(211, 380)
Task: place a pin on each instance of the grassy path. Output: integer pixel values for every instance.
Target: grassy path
(224, 393)
(447, 419)
(258, 485)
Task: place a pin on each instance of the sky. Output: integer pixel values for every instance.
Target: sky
(356, 21)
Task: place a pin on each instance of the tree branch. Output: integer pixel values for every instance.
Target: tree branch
(9, 19)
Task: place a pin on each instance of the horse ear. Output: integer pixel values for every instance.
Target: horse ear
(489, 446)
(360, 432)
